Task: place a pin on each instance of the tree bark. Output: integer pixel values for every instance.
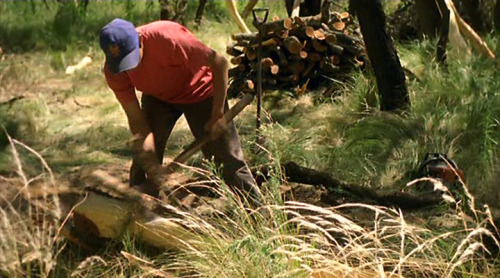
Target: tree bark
(429, 17)
(474, 15)
(310, 7)
(383, 55)
(497, 16)
(199, 11)
(443, 38)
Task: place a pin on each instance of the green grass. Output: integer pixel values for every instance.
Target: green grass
(74, 121)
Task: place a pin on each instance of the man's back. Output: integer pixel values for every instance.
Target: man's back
(173, 67)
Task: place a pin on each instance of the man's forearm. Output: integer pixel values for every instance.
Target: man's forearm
(220, 79)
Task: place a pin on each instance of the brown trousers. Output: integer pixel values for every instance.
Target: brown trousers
(226, 150)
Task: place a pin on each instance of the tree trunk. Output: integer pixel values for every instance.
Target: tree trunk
(429, 17)
(383, 55)
(310, 7)
(443, 37)
(474, 15)
(199, 11)
(497, 16)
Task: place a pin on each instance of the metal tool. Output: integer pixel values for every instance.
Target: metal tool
(258, 22)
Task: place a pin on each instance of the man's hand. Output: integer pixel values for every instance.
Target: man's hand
(216, 126)
(144, 150)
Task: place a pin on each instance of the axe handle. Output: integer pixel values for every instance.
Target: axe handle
(199, 143)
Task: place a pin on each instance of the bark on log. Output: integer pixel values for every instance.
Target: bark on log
(292, 44)
(233, 51)
(303, 32)
(238, 60)
(280, 56)
(244, 36)
(111, 218)
(273, 26)
(314, 57)
(237, 70)
(318, 46)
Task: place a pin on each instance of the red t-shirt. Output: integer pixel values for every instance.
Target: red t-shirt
(173, 67)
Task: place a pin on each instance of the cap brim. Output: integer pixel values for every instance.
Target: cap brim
(128, 62)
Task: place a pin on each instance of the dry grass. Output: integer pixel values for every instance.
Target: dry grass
(289, 239)
(29, 243)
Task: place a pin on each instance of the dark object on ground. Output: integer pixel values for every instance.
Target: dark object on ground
(296, 173)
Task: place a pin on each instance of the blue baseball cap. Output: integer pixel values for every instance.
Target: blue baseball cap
(120, 42)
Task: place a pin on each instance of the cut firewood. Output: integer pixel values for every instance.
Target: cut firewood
(339, 26)
(244, 36)
(238, 60)
(314, 56)
(296, 67)
(303, 32)
(335, 49)
(292, 44)
(328, 67)
(273, 26)
(282, 60)
(313, 21)
(335, 60)
(319, 35)
(308, 68)
(274, 69)
(344, 15)
(107, 217)
(266, 63)
(294, 51)
(318, 46)
(233, 51)
(251, 53)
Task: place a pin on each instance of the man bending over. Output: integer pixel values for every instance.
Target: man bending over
(177, 74)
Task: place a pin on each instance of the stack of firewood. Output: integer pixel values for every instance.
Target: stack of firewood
(296, 53)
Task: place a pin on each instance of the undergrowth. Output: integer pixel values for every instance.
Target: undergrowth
(74, 120)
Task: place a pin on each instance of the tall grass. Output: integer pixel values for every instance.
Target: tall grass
(288, 239)
(75, 120)
(29, 242)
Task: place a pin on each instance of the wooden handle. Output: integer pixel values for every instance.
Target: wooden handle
(199, 143)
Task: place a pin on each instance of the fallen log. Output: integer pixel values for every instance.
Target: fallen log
(296, 173)
(106, 217)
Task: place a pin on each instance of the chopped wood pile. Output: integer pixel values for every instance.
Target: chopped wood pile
(297, 53)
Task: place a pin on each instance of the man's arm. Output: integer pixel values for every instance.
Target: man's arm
(139, 126)
(219, 66)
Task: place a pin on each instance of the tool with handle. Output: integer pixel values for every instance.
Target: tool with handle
(199, 143)
(258, 22)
